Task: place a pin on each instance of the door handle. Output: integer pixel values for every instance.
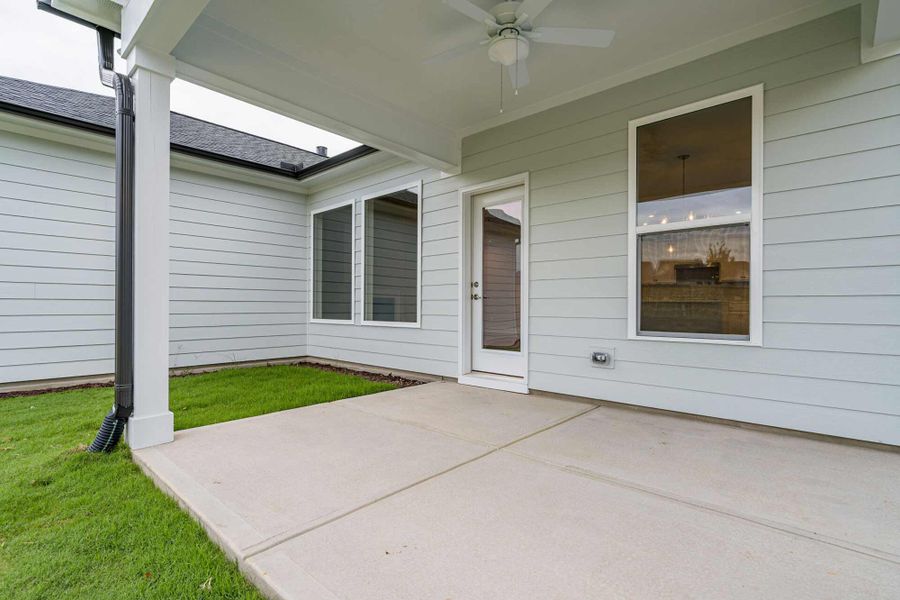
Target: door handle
(476, 297)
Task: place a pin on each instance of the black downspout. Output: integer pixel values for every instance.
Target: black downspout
(114, 422)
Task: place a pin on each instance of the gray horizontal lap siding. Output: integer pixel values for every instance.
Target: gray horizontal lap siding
(238, 272)
(56, 260)
(238, 269)
(831, 236)
(239, 254)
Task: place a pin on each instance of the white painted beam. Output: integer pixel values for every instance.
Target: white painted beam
(153, 422)
(157, 24)
(887, 22)
(328, 107)
(880, 29)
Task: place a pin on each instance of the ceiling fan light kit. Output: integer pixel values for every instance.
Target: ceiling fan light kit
(508, 48)
(509, 29)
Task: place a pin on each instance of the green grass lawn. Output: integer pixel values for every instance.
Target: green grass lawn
(79, 525)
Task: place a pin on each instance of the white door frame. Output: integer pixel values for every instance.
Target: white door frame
(464, 372)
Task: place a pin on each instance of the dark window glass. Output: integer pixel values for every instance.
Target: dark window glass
(333, 264)
(696, 281)
(391, 268)
(695, 166)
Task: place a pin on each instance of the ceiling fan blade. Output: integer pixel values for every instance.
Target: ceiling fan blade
(518, 74)
(530, 9)
(572, 36)
(452, 53)
(470, 10)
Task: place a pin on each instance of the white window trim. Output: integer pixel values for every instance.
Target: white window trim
(312, 273)
(755, 220)
(362, 308)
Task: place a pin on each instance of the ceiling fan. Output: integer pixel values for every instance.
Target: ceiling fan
(509, 31)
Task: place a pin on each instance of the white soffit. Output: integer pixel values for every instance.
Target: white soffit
(356, 68)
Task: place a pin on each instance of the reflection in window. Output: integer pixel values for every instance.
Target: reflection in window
(333, 264)
(501, 271)
(695, 166)
(696, 281)
(391, 257)
(694, 197)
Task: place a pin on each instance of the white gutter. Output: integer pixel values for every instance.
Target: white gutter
(105, 13)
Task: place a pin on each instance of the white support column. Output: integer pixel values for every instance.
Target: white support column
(152, 422)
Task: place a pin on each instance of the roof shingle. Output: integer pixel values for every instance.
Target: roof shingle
(188, 132)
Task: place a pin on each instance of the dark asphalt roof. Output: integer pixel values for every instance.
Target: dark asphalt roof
(187, 132)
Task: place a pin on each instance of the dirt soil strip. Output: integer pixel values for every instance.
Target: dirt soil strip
(379, 377)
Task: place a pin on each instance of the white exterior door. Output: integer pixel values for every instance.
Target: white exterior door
(496, 291)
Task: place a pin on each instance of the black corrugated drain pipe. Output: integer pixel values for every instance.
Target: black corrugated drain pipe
(114, 422)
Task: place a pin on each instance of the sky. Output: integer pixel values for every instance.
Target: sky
(41, 47)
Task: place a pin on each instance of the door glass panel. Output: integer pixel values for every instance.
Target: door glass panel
(501, 270)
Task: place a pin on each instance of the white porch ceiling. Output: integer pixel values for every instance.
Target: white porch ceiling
(356, 68)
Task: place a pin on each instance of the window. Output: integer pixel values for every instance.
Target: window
(694, 212)
(391, 257)
(332, 264)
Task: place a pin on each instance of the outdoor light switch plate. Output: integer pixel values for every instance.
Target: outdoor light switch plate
(603, 358)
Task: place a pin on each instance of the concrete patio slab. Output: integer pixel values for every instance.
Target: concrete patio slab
(441, 491)
(253, 481)
(478, 414)
(839, 492)
(509, 527)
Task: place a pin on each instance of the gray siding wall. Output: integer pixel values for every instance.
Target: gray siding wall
(238, 271)
(831, 311)
(829, 362)
(238, 267)
(831, 236)
(433, 347)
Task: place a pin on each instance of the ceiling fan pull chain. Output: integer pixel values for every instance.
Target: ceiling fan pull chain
(501, 89)
(517, 66)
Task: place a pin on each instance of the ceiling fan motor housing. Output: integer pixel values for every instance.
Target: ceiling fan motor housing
(509, 29)
(508, 47)
(505, 12)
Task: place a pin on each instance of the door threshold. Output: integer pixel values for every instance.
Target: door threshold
(494, 381)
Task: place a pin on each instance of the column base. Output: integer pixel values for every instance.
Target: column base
(152, 430)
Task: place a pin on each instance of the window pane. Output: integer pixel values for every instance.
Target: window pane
(695, 166)
(501, 271)
(333, 264)
(392, 244)
(696, 281)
